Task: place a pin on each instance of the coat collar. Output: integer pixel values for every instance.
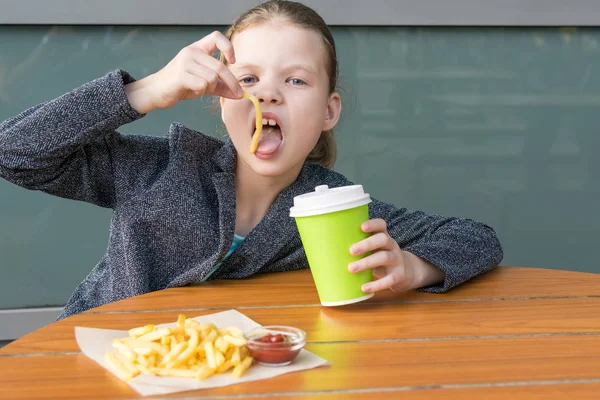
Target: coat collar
(225, 157)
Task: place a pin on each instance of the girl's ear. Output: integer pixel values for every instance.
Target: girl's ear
(333, 111)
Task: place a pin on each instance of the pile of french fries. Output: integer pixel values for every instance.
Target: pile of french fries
(190, 349)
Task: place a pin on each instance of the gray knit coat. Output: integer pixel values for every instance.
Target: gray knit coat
(173, 201)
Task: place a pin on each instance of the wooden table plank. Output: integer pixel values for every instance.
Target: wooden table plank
(366, 321)
(354, 366)
(299, 289)
(579, 391)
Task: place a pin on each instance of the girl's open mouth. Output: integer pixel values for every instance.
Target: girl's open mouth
(271, 138)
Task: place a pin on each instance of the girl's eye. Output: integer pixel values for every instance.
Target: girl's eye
(248, 80)
(297, 82)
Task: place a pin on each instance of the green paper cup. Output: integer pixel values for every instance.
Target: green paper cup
(328, 221)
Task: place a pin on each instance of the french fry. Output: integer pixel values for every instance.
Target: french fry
(141, 344)
(207, 331)
(152, 360)
(122, 348)
(236, 358)
(176, 372)
(226, 366)
(235, 331)
(155, 335)
(208, 339)
(219, 358)
(112, 360)
(244, 365)
(259, 122)
(243, 352)
(190, 349)
(181, 322)
(142, 361)
(143, 351)
(175, 351)
(236, 341)
(221, 344)
(210, 355)
(142, 330)
(204, 372)
(128, 364)
(194, 337)
(145, 370)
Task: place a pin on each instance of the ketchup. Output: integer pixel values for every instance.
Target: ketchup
(270, 338)
(274, 349)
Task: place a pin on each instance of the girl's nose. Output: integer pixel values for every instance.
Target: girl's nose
(269, 96)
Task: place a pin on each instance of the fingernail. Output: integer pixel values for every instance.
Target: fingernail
(366, 288)
(353, 249)
(351, 267)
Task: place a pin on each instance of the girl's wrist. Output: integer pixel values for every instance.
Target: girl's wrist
(426, 274)
(139, 95)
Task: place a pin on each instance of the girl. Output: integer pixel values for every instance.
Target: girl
(189, 207)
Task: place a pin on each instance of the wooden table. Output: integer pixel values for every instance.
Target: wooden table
(512, 333)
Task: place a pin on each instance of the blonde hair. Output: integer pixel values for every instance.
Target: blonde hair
(325, 151)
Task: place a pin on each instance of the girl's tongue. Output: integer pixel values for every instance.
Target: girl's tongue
(270, 140)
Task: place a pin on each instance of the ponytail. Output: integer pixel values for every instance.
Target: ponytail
(325, 151)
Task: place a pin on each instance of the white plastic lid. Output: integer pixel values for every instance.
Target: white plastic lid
(325, 200)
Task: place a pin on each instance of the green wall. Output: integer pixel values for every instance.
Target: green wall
(489, 123)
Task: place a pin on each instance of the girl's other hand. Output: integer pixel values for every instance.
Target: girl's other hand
(192, 73)
(395, 269)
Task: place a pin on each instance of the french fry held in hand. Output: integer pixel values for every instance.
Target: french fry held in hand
(259, 122)
(190, 349)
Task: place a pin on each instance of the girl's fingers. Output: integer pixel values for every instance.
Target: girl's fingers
(378, 241)
(205, 73)
(223, 90)
(374, 225)
(216, 40)
(379, 272)
(380, 284)
(397, 282)
(196, 84)
(223, 73)
(215, 85)
(377, 259)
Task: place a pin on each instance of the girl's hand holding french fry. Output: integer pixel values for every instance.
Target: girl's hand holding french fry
(192, 73)
(191, 349)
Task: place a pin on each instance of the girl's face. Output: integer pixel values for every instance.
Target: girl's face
(284, 66)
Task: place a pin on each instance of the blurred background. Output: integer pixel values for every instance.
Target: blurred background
(451, 112)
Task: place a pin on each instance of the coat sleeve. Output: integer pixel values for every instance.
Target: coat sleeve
(462, 248)
(69, 146)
